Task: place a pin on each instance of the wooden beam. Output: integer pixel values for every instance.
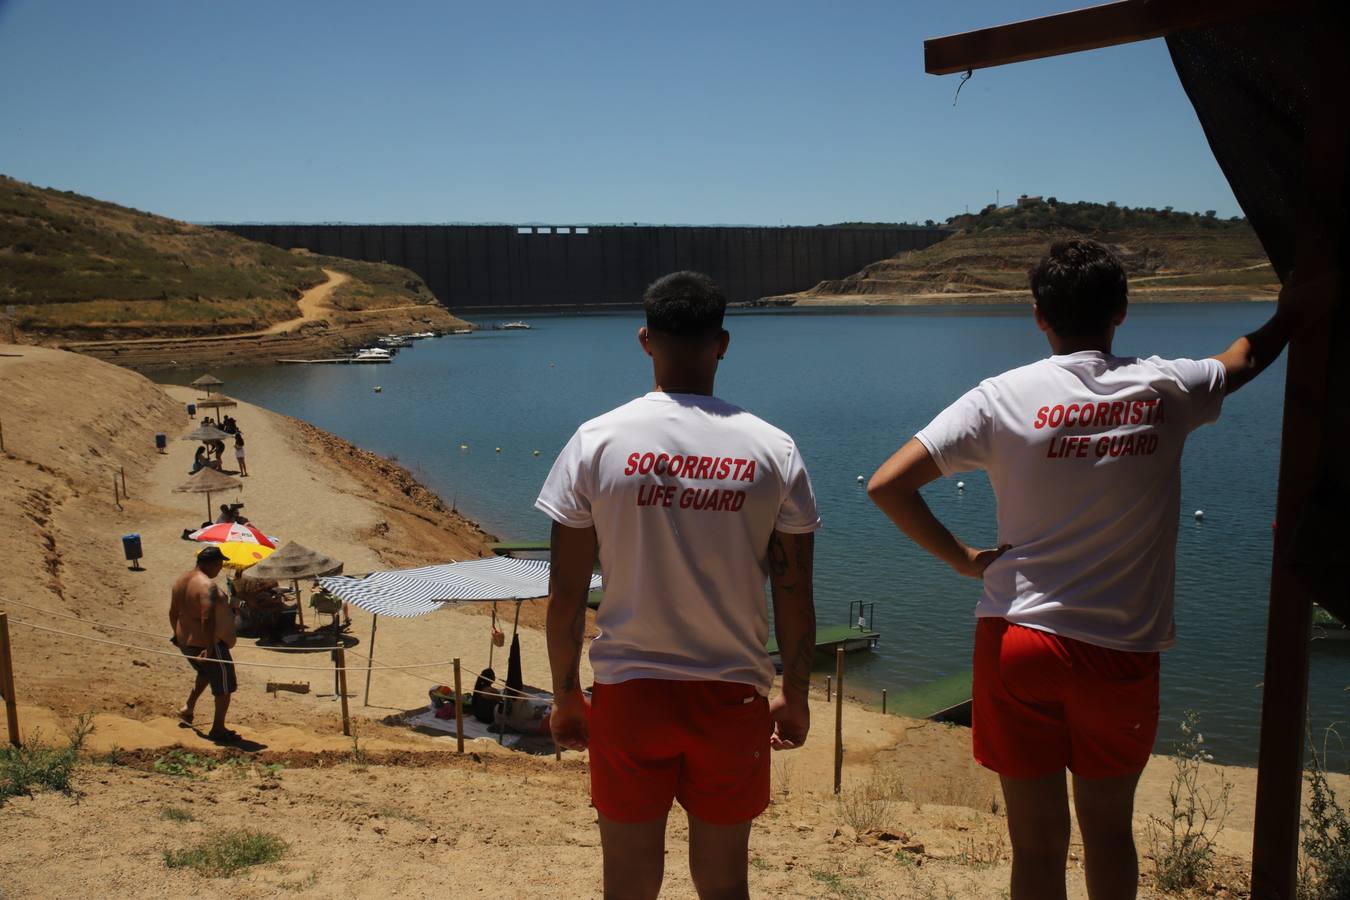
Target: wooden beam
(1295, 581)
(1087, 29)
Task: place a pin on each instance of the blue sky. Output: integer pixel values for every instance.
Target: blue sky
(693, 112)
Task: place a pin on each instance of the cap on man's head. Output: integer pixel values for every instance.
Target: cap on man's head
(210, 554)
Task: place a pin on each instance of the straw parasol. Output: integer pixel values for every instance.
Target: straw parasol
(293, 562)
(208, 382)
(216, 402)
(206, 434)
(208, 481)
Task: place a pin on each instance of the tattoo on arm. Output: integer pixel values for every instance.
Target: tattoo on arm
(797, 675)
(790, 565)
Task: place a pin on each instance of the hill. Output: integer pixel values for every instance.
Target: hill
(81, 268)
(1168, 255)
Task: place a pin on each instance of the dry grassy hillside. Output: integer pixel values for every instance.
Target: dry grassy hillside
(77, 267)
(1168, 256)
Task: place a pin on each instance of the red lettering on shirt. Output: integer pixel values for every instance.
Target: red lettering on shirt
(632, 464)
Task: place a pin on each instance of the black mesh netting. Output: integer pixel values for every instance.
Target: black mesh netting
(1250, 83)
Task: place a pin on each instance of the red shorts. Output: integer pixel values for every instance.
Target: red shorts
(704, 743)
(1044, 702)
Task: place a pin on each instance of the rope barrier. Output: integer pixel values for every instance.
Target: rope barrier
(89, 622)
(256, 665)
(378, 666)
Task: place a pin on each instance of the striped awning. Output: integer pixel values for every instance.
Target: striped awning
(415, 592)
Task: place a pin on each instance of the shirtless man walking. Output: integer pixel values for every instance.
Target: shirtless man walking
(203, 629)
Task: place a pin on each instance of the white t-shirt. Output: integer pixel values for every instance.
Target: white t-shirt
(1084, 453)
(684, 492)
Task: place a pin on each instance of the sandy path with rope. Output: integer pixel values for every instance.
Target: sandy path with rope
(296, 490)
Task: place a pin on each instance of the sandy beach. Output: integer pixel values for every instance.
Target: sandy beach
(393, 812)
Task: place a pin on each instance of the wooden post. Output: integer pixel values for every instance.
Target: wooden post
(838, 718)
(117, 500)
(2, 437)
(7, 682)
(123, 472)
(370, 657)
(883, 701)
(827, 689)
(459, 712)
(340, 656)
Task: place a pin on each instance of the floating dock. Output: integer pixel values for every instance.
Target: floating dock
(506, 548)
(828, 637)
(337, 361)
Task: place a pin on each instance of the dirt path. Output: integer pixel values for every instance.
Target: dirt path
(313, 307)
(313, 303)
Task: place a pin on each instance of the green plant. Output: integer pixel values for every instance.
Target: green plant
(36, 765)
(305, 885)
(359, 756)
(184, 764)
(1325, 872)
(1183, 844)
(175, 814)
(867, 805)
(226, 854)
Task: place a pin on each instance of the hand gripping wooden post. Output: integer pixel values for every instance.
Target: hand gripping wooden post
(459, 712)
(7, 682)
(340, 657)
(838, 718)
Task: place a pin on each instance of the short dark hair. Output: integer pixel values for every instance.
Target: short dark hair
(688, 304)
(1079, 287)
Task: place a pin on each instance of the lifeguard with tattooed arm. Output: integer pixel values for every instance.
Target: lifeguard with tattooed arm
(1083, 450)
(691, 503)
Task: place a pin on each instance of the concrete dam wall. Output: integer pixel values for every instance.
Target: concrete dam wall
(474, 267)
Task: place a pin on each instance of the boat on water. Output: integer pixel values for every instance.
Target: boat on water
(393, 341)
(372, 354)
(512, 326)
(420, 335)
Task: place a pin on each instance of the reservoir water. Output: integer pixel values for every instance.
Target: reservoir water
(850, 386)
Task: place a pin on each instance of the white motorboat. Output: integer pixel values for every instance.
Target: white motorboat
(514, 326)
(372, 354)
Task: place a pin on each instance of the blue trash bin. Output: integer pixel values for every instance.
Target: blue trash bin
(161, 441)
(192, 410)
(131, 549)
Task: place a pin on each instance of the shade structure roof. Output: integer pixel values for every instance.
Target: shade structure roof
(206, 433)
(294, 561)
(405, 593)
(207, 381)
(208, 480)
(216, 402)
